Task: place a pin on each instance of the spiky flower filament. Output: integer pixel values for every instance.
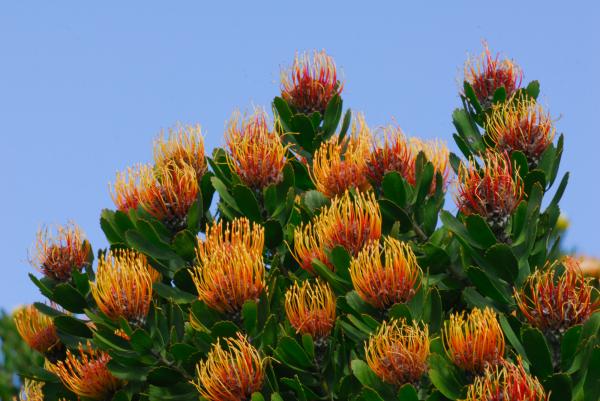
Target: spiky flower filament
(31, 391)
(87, 374)
(474, 342)
(492, 192)
(393, 154)
(437, 153)
(36, 329)
(351, 221)
(339, 165)
(228, 278)
(506, 382)
(125, 191)
(168, 192)
(386, 277)
(521, 124)
(486, 74)
(554, 299)
(182, 145)
(61, 250)
(123, 286)
(222, 236)
(308, 246)
(232, 373)
(398, 352)
(310, 308)
(311, 82)
(256, 152)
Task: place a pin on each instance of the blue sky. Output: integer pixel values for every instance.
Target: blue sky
(84, 89)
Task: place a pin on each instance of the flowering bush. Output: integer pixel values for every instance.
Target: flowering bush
(328, 268)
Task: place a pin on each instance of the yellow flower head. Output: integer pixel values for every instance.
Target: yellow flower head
(256, 152)
(437, 153)
(230, 374)
(475, 342)
(341, 165)
(240, 233)
(87, 374)
(398, 352)
(31, 391)
(125, 192)
(183, 145)
(123, 286)
(36, 329)
(228, 278)
(555, 300)
(393, 154)
(308, 246)
(523, 125)
(310, 308)
(383, 283)
(506, 382)
(60, 251)
(310, 83)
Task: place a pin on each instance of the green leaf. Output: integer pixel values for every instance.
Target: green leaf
(408, 393)
(226, 197)
(499, 95)
(73, 326)
(163, 376)
(309, 345)
(393, 188)
(489, 286)
(224, 329)
(273, 234)
(345, 124)
(467, 130)
(511, 336)
(560, 190)
(504, 262)
(292, 354)
(368, 394)
(314, 200)
(538, 352)
(569, 345)
(250, 315)
(444, 377)
(470, 94)
(69, 298)
(454, 225)
(480, 231)
(340, 258)
(257, 397)
(44, 289)
(141, 341)
(338, 284)
(155, 249)
(173, 294)
(533, 89)
(184, 244)
(303, 131)
(332, 116)
(560, 387)
(591, 386)
(247, 203)
(368, 378)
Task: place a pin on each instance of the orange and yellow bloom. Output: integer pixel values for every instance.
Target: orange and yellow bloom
(183, 145)
(310, 83)
(437, 153)
(37, 329)
(31, 391)
(383, 283)
(256, 152)
(394, 154)
(240, 233)
(398, 352)
(474, 342)
(60, 252)
(87, 374)
(308, 246)
(230, 374)
(310, 308)
(123, 287)
(125, 192)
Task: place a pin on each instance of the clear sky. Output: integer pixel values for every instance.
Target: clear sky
(84, 89)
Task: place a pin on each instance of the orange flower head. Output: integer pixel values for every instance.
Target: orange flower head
(240, 233)
(87, 374)
(308, 246)
(36, 329)
(398, 352)
(342, 165)
(492, 192)
(256, 152)
(506, 382)
(125, 192)
(310, 308)
(168, 192)
(590, 266)
(31, 391)
(394, 154)
(487, 74)
(311, 82)
(123, 286)
(383, 283)
(183, 145)
(523, 125)
(229, 278)
(555, 299)
(351, 221)
(475, 342)
(437, 153)
(230, 374)
(60, 251)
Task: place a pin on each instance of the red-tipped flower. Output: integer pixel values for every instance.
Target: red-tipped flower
(183, 145)
(311, 82)
(310, 308)
(394, 154)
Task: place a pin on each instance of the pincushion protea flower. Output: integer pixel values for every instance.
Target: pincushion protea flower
(492, 192)
(308, 246)
(87, 374)
(339, 166)
(228, 278)
(123, 287)
(523, 125)
(230, 374)
(382, 284)
(394, 154)
(183, 145)
(475, 342)
(226, 236)
(60, 251)
(311, 82)
(437, 153)
(125, 192)
(310, 308)
(506, 382)
(554, 300)
(37, 329)
(486, 74)
(398, 352)
(31, 391)
(256, 152)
